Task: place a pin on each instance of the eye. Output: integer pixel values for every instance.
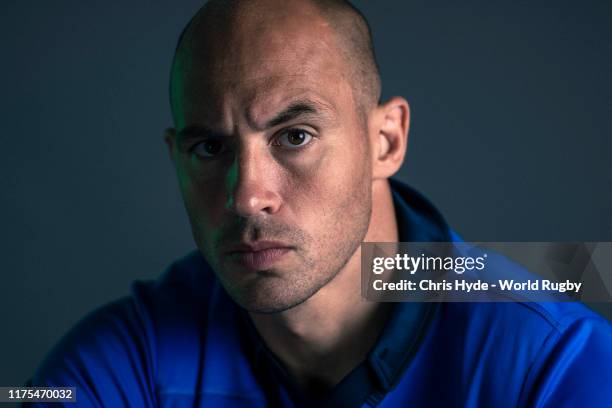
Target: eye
(209, 148)
(293, 138)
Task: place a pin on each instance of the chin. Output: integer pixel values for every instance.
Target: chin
(268, 295)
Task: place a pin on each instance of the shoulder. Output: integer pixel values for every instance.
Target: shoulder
(573, 363)
(180, 294)
(117, 354)
(535, 317)
(524, 325)
(105, 356)
(549, 353)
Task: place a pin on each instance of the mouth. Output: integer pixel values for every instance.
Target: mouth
(259, 255)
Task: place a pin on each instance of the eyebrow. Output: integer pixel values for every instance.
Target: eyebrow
(195, 132)
(293, 112)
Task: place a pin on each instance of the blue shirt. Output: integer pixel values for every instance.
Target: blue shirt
(181, 341)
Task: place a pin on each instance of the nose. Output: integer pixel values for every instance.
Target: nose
(251, 184)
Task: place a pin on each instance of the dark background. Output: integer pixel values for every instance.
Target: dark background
(511, 107)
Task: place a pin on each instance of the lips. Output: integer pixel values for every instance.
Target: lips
(259, 255)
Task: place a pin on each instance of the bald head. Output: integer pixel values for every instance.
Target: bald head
(213, 34)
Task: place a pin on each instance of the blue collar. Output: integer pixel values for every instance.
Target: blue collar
(418, 221)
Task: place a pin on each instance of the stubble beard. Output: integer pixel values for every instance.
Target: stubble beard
(276, 291)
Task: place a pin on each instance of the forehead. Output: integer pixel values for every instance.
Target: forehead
(259, 63)
(257, 98)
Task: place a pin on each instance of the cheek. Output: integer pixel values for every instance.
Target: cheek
(203, 193)
(330, 185)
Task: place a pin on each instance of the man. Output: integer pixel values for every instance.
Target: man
(283, 154)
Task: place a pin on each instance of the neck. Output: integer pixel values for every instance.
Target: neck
(321, 340)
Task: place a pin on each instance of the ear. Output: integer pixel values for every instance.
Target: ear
(390, 137)
(170, 139)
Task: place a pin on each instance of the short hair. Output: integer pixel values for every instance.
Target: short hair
(352, 31)
(355, 36)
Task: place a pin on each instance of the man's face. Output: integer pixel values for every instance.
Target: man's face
(272, 158)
